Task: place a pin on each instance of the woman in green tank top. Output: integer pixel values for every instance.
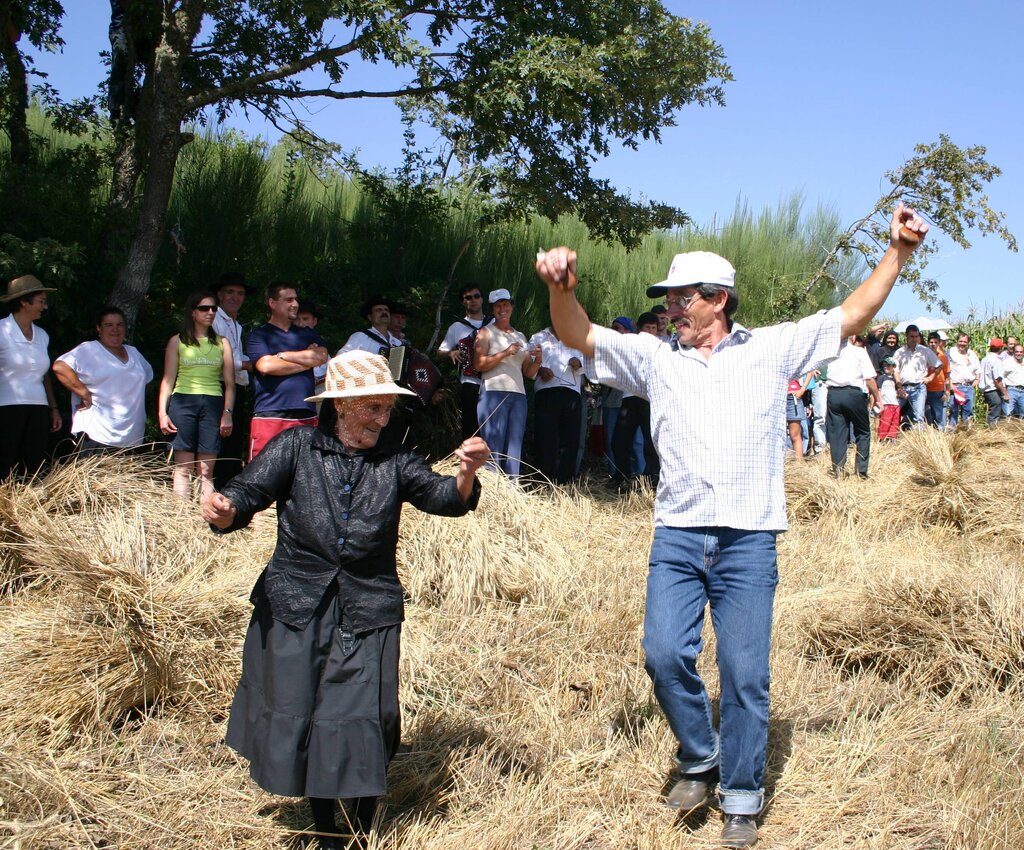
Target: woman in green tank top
(197, 394)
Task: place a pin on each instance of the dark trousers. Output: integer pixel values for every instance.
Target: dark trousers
(234, 448)
(634, 413)
(26, 431)
(995, 406)
(469, 396)
(556, 433)
(848, 407)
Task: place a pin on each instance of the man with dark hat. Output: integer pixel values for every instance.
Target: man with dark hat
(231, 290)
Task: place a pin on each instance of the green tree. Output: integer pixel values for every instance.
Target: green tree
(945, 184)
(530, 92)
(39, 22)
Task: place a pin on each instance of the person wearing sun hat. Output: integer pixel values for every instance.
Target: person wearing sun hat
(327, 727)
(28, 407)
(717, 393)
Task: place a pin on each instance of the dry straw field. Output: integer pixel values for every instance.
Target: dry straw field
(898, 667)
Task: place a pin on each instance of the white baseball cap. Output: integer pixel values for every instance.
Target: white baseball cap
(497, 295)
(692, 268)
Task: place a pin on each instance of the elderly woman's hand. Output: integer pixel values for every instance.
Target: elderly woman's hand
(218, 510)
(473, 453)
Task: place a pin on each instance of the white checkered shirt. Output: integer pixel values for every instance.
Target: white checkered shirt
(716, 422)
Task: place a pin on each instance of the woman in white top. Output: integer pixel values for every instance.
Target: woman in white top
(28, 409)
(107, 381)
(502, 358)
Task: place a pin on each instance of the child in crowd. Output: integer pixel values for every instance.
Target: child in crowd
(889, 419)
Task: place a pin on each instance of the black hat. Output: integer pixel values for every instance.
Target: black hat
(233, 279)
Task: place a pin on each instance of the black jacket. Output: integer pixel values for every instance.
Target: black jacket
(337, 517)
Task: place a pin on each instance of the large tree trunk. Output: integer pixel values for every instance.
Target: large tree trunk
(151, 154)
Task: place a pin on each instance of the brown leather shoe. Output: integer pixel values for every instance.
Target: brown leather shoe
(689, 793)
(739, 831)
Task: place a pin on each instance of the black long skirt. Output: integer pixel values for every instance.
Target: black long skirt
(316, 710)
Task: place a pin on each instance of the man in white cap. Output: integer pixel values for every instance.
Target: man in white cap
(717, 396)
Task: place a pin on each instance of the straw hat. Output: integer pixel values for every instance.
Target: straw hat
(27, 284)
(357, 373)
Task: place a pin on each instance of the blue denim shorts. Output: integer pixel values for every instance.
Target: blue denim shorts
(795, 410)
(197, 418)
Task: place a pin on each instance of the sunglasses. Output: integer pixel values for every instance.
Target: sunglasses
(206, 308)
(471, 297)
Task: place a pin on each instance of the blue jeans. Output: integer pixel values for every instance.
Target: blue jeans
(1016, 401)
(935, 411)
(961, 412)
(819, 400)
(736, 572)
(915, 401)
(502, 418)
(610, 416)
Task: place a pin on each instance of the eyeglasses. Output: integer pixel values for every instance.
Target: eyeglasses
(472, 297)
(206, 308)
(683, 302)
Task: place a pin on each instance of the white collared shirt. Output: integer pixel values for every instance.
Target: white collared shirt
(714, 421)
(231, 330)
(369, 340)
(991, 370)
(913, 366)
(555, 355)
(23, 364)
(852, 368)
(963, 368)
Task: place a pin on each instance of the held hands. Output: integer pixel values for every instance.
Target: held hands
(536, 354)
(557, 268)
(906, 228)
(218, 510)
(472, 454)
(545, 374)
(513, 349)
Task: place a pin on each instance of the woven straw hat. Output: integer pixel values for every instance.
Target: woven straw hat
(27, 284)
(357, 373)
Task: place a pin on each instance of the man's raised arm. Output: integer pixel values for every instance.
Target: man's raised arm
(867, 299)
(557, 268)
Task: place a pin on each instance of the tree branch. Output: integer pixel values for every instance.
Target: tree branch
(270, 91)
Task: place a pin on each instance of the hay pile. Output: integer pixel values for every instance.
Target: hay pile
(898, 662)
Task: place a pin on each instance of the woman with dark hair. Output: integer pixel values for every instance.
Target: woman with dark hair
(28, 408)
(197, 394)
(107, 381)
(316, 710)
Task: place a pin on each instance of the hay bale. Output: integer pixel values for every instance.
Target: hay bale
(946, 634)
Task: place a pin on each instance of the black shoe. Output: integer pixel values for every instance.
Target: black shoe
(739, 831)
(690, 792)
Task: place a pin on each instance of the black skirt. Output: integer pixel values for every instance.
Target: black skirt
(316, 710)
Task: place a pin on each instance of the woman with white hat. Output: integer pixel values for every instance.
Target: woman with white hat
(28, 408)
(501, 356)
(316, 710)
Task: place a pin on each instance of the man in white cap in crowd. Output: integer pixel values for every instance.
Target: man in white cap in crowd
(717, 395)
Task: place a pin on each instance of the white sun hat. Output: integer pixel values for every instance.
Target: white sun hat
(357, 373)
(693, 268)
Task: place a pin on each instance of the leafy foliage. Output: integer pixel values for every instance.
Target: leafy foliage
(945, 184)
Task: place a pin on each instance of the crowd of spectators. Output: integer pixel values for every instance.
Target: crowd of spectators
(226, 391)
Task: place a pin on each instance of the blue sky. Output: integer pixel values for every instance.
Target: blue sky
(827, 97)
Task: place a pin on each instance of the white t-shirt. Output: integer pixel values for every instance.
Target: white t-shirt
(458, 331)
(225, 326)
(23, 364)
(555, 355)
(117, 415)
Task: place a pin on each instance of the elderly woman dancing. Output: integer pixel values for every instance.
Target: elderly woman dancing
(316, 710)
